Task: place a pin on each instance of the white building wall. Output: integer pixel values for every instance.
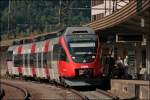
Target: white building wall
(108, 6)
(101, 8)
(148, 55)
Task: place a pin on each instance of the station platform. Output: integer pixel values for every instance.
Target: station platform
(131, 89)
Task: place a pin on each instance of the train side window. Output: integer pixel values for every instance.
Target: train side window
(33, 60)
(49, 60)
(39, 60)
(18, 60)
(9, 55)
(15, 61)
(45, 58)
(26, 59)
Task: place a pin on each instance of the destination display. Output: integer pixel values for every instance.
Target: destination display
(78, 37)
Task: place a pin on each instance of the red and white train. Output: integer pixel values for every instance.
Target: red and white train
(71, 56)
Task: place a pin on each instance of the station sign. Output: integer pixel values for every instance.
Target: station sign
(129, 38)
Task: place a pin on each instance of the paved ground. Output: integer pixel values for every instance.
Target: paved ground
(44, 91)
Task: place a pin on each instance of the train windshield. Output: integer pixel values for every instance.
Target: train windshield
(82, 48)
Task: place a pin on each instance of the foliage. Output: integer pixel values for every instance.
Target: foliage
(38, 16)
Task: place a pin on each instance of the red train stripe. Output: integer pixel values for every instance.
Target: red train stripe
(19, 49)
(20, 69)
(33, 48)
(46, 71)
(46, 46)
(33, 71)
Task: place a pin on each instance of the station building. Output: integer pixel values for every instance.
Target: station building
(103, 8)
(124, 31)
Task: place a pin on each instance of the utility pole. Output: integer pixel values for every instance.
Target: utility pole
(8, 16)
(59, 12)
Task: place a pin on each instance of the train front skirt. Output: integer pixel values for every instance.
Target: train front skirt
(73, 82)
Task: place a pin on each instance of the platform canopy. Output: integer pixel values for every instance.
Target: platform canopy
(131, 19)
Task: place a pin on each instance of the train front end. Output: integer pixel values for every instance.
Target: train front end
(81, 66)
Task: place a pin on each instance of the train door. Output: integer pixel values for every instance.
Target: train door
(23, 65)
(37, 65)
(39, 50)
(39, 58)
(9, 62)
(24, 61)
(29, 65)
(54, 64)
(26, 71)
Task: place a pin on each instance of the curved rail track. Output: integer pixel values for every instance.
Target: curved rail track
(12, 91)
(96, 95)
(43, 90)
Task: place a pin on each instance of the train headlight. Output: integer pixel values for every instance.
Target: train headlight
(73, 57)
(93, 57)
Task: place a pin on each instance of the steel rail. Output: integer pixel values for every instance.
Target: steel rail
(79, 94)
(25, 92)
(108, 94)
(58, 85)
(96, 94)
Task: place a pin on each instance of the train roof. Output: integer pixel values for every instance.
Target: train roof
(38, 38)
(79, 30)
(64, 31)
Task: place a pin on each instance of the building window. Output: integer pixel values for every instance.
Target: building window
(97, 17)
(93, 17)
(97, 2)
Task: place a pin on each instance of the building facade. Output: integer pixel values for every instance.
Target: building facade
(102, 8)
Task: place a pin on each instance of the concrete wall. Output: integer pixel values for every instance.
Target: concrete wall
(127, 89)
(148, 55)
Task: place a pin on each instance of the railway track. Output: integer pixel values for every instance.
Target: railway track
(11, 91)
(96, 95)
(64, 93)
(42, 90)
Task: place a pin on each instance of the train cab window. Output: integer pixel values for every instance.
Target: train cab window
(9, 55)
(33, 60)
(63, 55)
(59, 53)
(39, 60)
(18, 60)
